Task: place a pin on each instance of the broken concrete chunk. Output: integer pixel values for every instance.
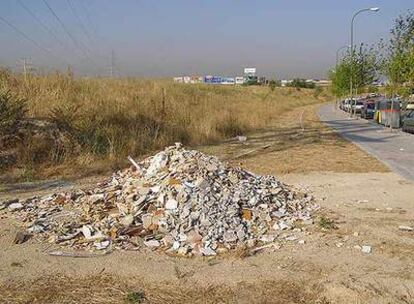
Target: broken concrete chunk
(36, 228)
(87, 232)
(207, 251)
(152, 243)
(127, 220)
(159, 161)
(193, 237)
(102, 245)
(171, 204)
(147, 220)
(15, 206)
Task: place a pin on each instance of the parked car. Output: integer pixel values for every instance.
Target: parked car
(355, 105)
(358, 106)
(348, 105)
(410, 105)
(368, 109)
(408, 122)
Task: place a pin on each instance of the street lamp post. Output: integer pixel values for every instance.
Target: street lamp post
(371, 9)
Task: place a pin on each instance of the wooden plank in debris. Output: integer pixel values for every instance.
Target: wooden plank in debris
(78, 254)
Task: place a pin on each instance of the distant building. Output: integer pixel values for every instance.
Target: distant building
(285, 82)
(239, 80)
(196, 79)
(323, 82)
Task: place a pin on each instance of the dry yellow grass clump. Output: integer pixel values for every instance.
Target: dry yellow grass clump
(111, 118)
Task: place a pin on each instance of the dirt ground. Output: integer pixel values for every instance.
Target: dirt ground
(366, 209)
(297, 142)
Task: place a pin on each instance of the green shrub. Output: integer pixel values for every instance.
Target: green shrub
(12, 110)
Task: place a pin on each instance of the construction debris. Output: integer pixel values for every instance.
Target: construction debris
(366, 249)
(406, 228)
(21, 237)
(180, 201)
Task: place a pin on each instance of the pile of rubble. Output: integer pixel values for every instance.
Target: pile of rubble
(181, 201)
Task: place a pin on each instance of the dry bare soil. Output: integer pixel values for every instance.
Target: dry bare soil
(366, 209)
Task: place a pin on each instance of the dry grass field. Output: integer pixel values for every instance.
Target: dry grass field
(96, 122)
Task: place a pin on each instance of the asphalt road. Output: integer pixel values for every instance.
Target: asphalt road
(394, 148)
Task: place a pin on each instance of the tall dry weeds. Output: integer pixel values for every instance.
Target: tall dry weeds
(111, 118)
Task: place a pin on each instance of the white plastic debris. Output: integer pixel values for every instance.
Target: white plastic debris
(406, 228)
(152, 243)
(366, 249)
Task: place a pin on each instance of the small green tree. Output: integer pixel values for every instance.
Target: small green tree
(365, 67)
(398, 60)
(340, 78)
(362, 66)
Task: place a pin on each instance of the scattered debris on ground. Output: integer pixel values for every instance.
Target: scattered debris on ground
(406, 228)
(366, 249)
(181, 201)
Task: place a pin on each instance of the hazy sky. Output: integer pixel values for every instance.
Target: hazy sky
(176, 37)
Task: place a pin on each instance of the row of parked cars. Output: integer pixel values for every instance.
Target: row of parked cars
(388, 112)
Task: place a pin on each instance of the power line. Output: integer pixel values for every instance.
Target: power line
(41, 23)
(26, 36)
(74, 40)
(90, 26)
(88, 17)
(45, 27)
(85, 31)
(80, 21)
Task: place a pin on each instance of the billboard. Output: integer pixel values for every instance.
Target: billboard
(249, 70)
(239, 80)
(228, 80)
(212, 79)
